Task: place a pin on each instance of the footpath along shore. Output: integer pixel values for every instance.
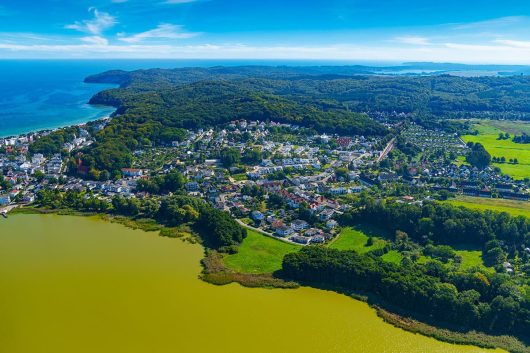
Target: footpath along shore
(5, 210)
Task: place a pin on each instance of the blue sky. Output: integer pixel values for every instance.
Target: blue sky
(485, 31)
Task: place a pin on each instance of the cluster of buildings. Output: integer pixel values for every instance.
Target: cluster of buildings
(22, 170)
(295, 168)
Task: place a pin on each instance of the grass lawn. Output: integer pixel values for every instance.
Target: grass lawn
(460, 160)
(515, 208)
(392, 256)
(488, 134)
(470, 258)
(240, 177)
(247, 220)
(259, 254)
(355, 239)
(513, 127)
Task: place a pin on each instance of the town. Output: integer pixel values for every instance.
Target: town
(279, 179)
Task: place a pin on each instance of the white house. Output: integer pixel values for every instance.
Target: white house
(299, 225)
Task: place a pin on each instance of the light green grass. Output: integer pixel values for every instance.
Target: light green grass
(355, 239)
(470, 258)
(259, 254)
(393, 256)
(247, 220)
(515, 208)
(488, 134)
(240, 177)
(513, 127)
(460, 160)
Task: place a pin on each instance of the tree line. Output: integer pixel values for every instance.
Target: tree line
(472, 300)
(442, 223)
(217, 229)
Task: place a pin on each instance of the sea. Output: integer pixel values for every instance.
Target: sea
(46, 94)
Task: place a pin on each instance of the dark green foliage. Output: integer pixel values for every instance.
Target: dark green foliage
(406, 147)
(252, 156)
(524, 138)
(177, 210)
(332, 87)
(217, 228)
(220, 230)
(230, 157)
(154, 105)
(478, 156)
(4, 184)
(162, 184)
(54, 199)
(442, 252)
(111, 155)
(442, 223)
(53, 142)
(420, 289)
(126, 206)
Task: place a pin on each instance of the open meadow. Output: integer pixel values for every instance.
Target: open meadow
(515, 208)
(356, 239)
(488, 133)
(259, 254)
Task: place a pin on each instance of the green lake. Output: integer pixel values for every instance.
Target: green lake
(76, 285)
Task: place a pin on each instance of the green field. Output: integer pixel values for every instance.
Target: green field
(392, 256)
(259, 254)
(355, 239)
(240, 177)
(470, 258)
(488, 134)
(515, 208)
(513, 127)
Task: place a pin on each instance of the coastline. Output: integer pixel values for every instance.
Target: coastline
(78, 122)
(217, 273)
(50, 103)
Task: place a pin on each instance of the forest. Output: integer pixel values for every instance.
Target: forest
(474, 300)
(350, 88)
(154, 106)
(216, 228)
(500, 235)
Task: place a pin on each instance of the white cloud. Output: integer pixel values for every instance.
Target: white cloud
(513, 43)
(493, 23)
(146, 46)
(163, 31)
(413, 40)
(95, 26)
(447, 52)
(97, 40)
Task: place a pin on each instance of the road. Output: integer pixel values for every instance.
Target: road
(387, 150)
(243, 224)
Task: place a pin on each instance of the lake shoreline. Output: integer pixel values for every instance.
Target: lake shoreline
(215, 272)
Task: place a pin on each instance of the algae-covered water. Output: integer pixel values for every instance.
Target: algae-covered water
(74, 284)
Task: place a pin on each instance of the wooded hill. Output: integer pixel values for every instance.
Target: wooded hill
(154, 105)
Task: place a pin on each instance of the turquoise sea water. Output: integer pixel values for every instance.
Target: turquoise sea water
(44, 94)
(41, 95)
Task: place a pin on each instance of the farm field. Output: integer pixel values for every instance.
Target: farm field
(515, 208)
(489, 132)
(513, 127)
(259, 254)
